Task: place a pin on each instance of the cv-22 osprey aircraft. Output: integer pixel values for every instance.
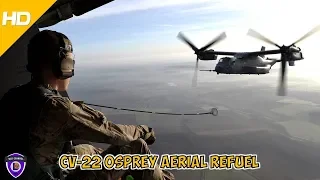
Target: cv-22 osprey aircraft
(253, 62)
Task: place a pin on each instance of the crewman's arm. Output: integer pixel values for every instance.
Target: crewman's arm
(82, 122)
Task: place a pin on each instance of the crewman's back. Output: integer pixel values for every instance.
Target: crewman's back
(20, 106)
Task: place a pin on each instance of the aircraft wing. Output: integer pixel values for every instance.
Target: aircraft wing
(242, 54)
(257, 53)
(273, 61)
(66, 9)
(225, 53)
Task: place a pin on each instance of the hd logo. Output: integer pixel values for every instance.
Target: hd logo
(17, 18)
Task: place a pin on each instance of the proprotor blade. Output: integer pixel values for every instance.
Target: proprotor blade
(184, 39)
(195, 75)
(282, 83)
(259, 36)
(216, 40)
(311, 32)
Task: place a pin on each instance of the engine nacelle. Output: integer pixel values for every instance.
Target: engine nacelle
(291, 63)
(208, 57)
(296, 56)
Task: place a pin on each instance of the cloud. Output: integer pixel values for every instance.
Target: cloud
(218, 5)
(282, 21)
(192, 6)
(165, 25)
(125, 6)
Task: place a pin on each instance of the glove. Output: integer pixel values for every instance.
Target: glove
(149, 135)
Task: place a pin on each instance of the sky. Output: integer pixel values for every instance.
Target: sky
(134, 31)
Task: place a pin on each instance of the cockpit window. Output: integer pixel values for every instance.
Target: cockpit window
(224, 60)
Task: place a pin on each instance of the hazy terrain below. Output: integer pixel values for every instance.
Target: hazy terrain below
(283, 131)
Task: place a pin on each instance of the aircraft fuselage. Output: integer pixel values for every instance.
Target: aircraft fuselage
(246, 65)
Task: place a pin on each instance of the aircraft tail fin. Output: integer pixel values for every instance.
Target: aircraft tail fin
(262, 49)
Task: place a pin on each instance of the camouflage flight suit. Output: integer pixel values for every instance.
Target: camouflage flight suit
(62, 120)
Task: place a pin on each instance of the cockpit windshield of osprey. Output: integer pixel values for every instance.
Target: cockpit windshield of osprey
(122, 90)
(225, 60)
